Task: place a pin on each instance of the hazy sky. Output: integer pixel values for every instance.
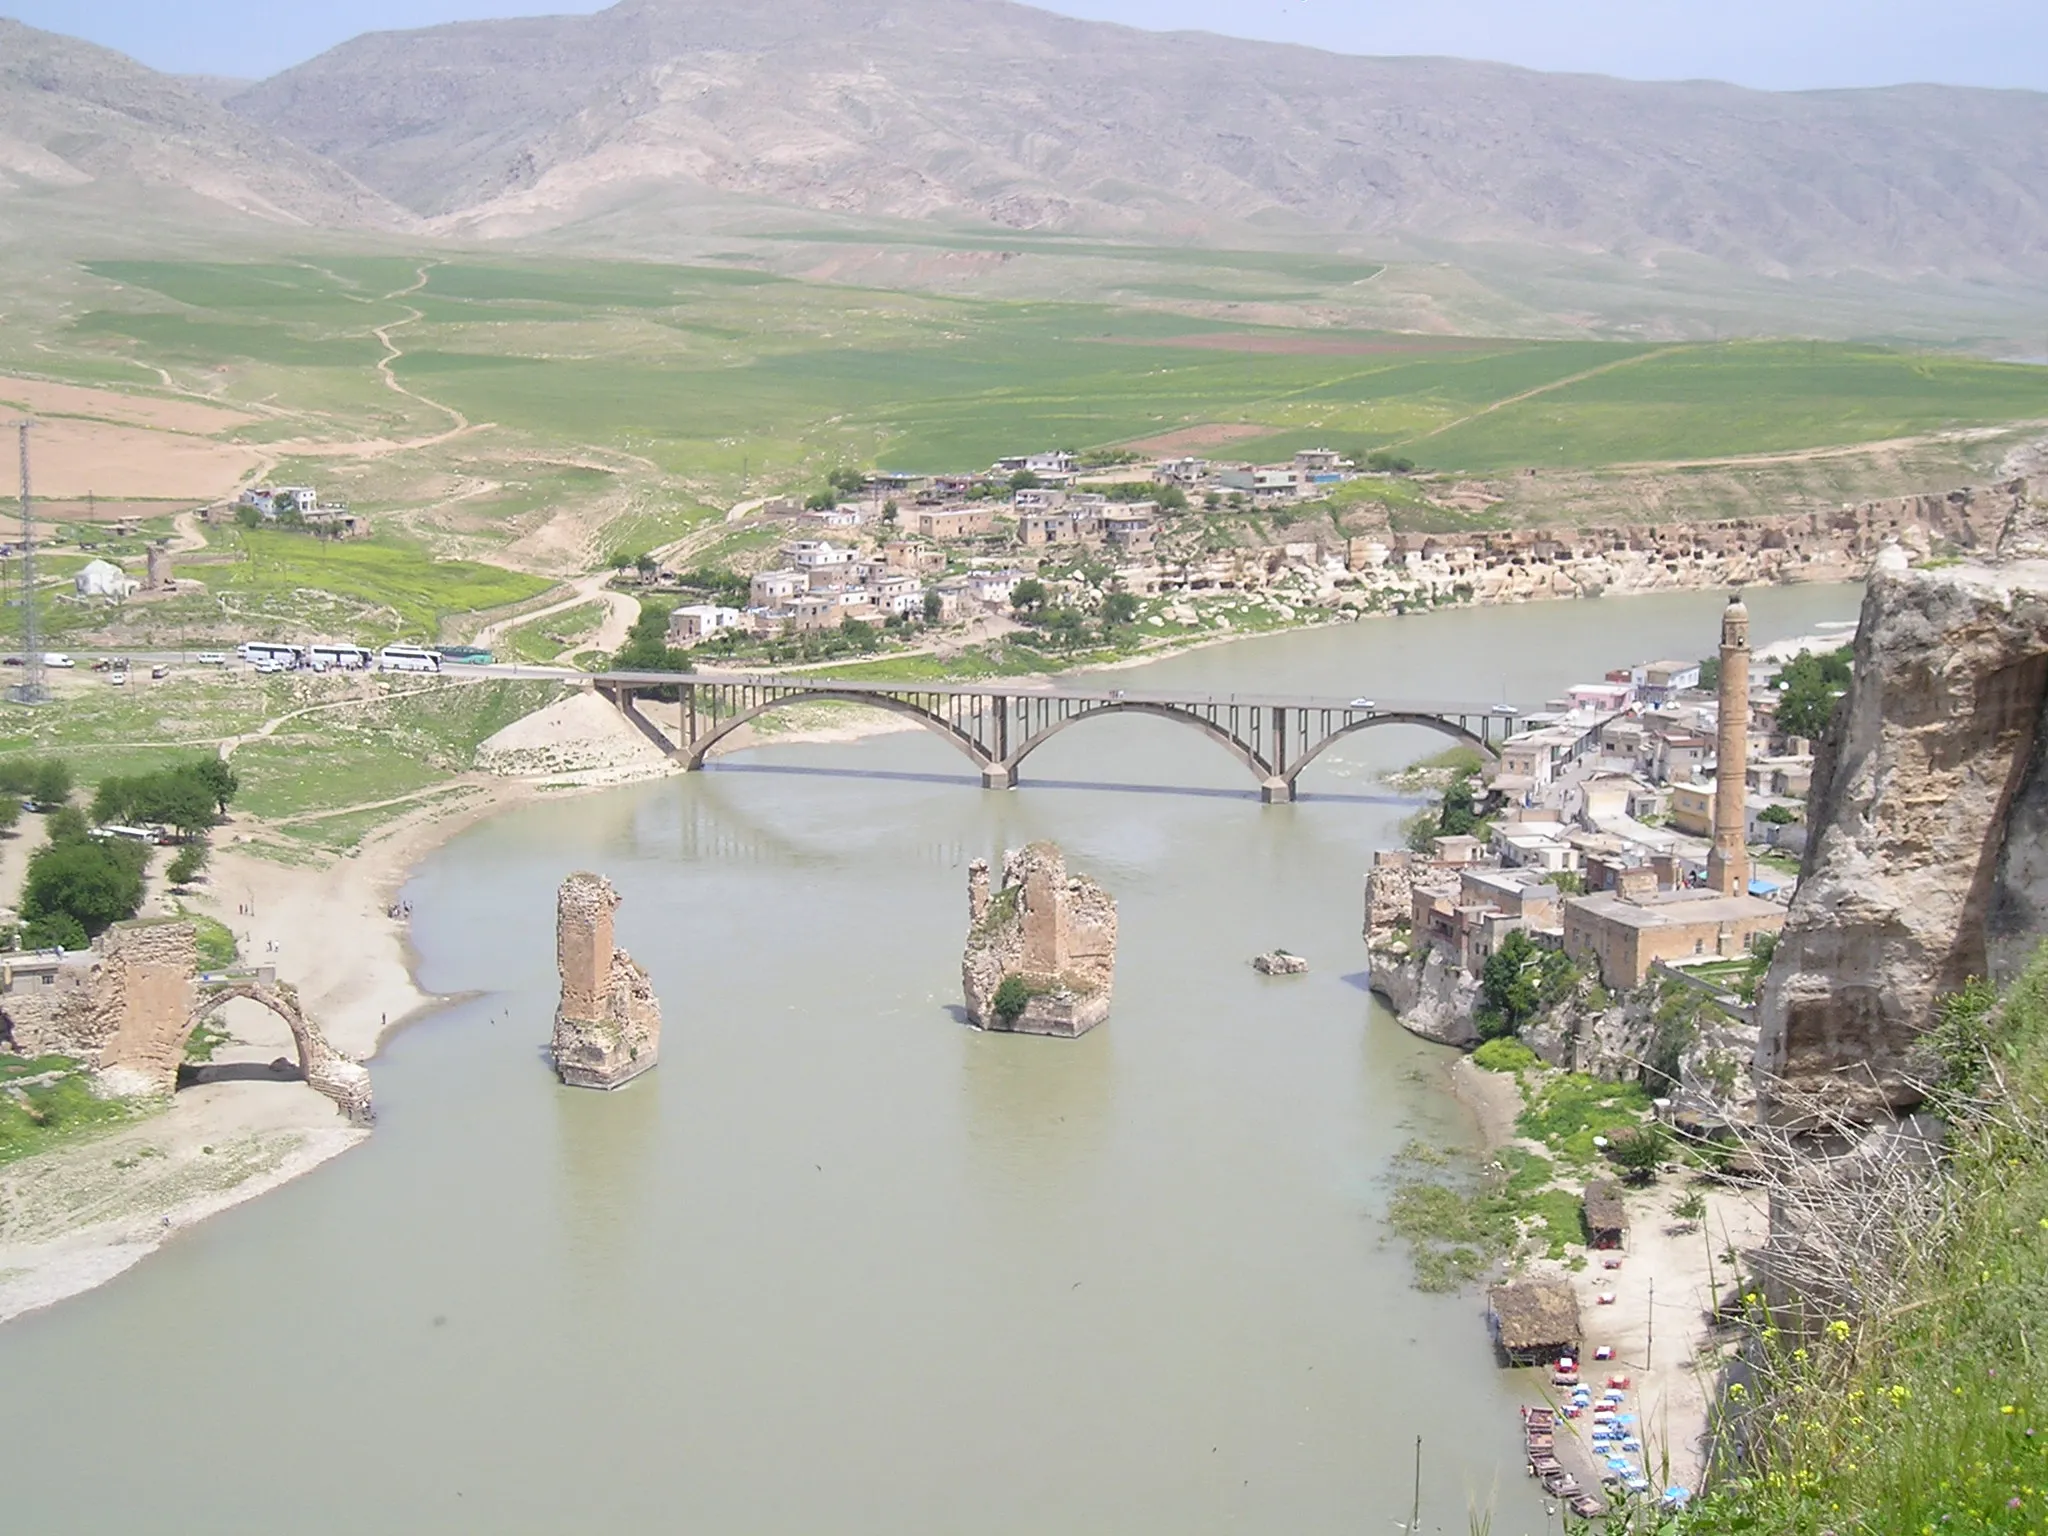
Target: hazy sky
(1777, 44)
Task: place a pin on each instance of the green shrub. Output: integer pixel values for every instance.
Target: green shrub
(1505, 1054)
(1012, 997)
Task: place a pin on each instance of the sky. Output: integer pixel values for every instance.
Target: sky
(1771, 44)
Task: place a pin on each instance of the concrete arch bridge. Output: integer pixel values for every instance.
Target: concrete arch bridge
(997, 726)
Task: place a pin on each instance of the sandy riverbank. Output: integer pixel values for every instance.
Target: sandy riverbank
(1665, 1289)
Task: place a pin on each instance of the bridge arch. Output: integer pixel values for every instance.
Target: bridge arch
(937, 724)
(1207, 727)
(1435, 723)
(324, 1069)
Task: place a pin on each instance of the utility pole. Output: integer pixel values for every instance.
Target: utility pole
(1415, 1513)
(1650, 1328)
(30, 689)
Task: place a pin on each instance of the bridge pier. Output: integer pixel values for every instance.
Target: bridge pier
(1277, 791)
(998, 776)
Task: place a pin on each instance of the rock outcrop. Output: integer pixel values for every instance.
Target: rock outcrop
(1927, 864)
(608, 1024)
(1054, 932)
(1278, 962)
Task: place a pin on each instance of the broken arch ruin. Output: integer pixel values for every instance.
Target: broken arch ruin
(126, 1007)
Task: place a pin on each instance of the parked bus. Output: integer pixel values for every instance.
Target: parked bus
(465, 655)
(342, 658)
(408, 658)
(274, 651)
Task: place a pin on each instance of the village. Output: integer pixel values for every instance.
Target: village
(1162, 548)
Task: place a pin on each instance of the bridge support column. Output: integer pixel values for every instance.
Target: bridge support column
(998, 776)
(1277, 791)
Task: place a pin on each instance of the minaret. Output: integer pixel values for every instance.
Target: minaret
(1728, 864)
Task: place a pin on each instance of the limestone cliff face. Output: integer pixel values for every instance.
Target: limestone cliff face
(608, 1024)
(1926, 864)
(1055, 931)
(1430, 996)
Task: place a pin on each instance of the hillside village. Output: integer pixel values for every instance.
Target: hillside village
(1593, 837)
(1140, 546)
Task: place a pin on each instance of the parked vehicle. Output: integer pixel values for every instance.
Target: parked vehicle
(408, 658)
(57, 659)
(286, 656)
(344, 658)
(211, 659)
(118, 679)
(159, 672)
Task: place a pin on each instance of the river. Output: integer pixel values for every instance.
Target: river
(840, 1264)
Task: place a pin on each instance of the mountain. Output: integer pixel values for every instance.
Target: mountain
(985, 112)
(80, 120)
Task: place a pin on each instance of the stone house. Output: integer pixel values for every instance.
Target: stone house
(956, 522)
(696, 622)
(1626, 931)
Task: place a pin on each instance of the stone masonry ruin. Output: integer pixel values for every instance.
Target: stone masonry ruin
(608, 1025)
(1053, 931)
(126, 1007)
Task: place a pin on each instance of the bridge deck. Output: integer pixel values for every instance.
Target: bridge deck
(999, 688)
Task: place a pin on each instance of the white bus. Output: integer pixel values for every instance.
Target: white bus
(408, 658)
(286, 656)
(342, 658)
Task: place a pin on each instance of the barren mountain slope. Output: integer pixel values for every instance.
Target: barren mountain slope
(980, 109)
(74, 116)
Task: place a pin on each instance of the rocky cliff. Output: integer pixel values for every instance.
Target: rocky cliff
(1053, 932)
(1925, 866)
(608, 1023)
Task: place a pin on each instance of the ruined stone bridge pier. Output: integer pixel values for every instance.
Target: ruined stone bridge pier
(998, 726)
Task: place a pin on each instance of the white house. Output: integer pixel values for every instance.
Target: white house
(993, 586)
(100, 578)
(772, 589)
(700, 621)
(817, 554)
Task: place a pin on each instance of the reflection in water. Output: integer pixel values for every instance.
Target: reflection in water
(608, 1147)
(1034, 1113)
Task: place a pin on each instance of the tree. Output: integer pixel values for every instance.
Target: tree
(1457, 818)
(1508, 986)
(248, 516)
(1119, 608)
(647, 566)
(56, 930)
(96, 883)
(10, 813)
(1011, 999)
(1778, 815)
(1810, 689)
(51, 781)
(1638, 1153)
(185, 867)
(1171, 498)
(220, 779)
(1387, 463)
(1568, 882)
(1025, 480)
(647, 648)
(1710, 673)
(933, 607)
(1028, 596)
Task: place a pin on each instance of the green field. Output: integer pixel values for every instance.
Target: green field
(705, 375)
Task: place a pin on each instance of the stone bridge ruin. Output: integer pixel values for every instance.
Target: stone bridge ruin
(608, 1024)
(127, 1006)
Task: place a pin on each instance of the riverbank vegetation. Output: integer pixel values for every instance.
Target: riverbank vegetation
(45, 1100)
(1926, 1407)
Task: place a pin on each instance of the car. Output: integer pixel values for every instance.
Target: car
(267, 665)
(1364, 704)
(57, 659)
(159, 672)
(11, 661)
(1505, 709)
(118, 679)
(103, 665)
(211, 658)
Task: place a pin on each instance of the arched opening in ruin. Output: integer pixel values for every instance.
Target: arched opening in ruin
(311, 1059)
(239, 1037)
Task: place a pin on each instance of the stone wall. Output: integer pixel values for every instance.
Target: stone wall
(1925, 863)
(608, 1023)
(1056, 931)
